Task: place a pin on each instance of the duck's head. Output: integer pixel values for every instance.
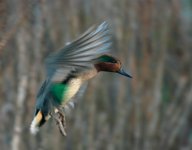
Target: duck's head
(110, 64)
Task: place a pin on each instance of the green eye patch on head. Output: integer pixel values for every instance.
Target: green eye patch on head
(106, 58)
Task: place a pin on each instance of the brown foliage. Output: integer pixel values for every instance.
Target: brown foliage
(151, 111)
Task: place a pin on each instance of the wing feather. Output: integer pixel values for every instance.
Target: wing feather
(79, 54)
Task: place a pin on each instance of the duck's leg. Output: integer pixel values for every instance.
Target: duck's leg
(62, 117)
(59, 123)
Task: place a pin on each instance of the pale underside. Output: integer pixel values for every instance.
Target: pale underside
(75, 84)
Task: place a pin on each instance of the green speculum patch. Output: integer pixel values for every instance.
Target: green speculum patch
(59, 90)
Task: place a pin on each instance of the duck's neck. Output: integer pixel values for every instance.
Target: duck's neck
(103, 66)
(89, 74)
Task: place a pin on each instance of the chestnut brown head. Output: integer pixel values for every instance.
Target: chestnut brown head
(110, 64)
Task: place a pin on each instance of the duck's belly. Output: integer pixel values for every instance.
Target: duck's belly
(63, 93)
(73, 88)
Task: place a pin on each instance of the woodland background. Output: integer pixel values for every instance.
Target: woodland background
(152, 111)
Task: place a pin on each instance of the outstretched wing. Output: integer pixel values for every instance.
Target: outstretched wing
(78, 55)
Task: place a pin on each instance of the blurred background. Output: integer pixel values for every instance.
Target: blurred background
(152, 111)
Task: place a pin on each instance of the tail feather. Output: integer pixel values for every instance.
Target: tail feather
(34, 128)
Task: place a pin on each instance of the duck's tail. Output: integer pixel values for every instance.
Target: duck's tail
(34, 128)
(38, 121)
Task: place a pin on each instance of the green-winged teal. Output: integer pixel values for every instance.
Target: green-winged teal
(70, 67)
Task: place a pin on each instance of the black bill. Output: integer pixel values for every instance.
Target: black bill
(122, 72)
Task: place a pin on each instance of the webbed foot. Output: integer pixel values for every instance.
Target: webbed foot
(61, 121)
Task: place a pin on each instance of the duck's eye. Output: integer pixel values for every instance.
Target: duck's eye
(114, 61)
